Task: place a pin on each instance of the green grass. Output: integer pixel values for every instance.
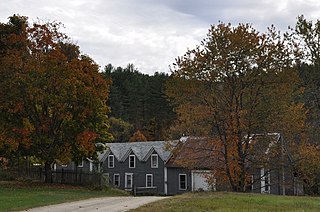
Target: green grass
(19, 196)
(223, 201)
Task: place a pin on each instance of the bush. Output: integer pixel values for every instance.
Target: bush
(5, 176)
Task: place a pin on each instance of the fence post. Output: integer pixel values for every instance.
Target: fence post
(40, 173)
(62, 176)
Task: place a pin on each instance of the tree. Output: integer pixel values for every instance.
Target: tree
(53, 100)
(137, 137)
(305, 37)
(237, 83)
(120, 130)
(139, 99)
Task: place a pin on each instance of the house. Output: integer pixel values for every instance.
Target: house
(150, 166)
(137, 166)
(275, 174)
(190, 164)
(270, 166)
(83, 166)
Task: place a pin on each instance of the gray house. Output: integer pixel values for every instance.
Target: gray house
(276, 173)
(144, 167)
(137, 166)
(188, 164)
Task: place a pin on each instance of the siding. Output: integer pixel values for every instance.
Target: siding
(173, 180)
(139, 172)
(73, 167)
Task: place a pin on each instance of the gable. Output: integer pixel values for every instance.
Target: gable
(142, 150)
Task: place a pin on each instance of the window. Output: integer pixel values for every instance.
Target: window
(267, 182)
(154, 161)
(116, 180)
(128, 180)
(64, 165)
(80, 164)
(111, 161)
(149, 180)
(132, 161)
(182, 182)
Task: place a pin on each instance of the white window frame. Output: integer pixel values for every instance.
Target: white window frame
(126, 180)
(152, 160)
(134, 161)
(64, 165)
(114, 180)
(109, 157)
(149, 175)
(265, 181)
(185, 175)
(80, 165)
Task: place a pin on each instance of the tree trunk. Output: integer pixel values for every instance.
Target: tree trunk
(47, 172)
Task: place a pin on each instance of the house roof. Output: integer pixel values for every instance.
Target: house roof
(142, 150)
(201, 152)
(194, 152)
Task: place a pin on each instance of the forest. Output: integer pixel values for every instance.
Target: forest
(57, 103)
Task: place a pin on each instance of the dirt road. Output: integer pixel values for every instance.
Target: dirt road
(109, 204)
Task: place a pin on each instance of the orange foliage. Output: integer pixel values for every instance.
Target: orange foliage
(238, 82)
(50, 92)
(85, 141)
(137, 137)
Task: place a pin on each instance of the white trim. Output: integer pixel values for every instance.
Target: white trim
(80, 165)
(149, 175)
(252, 180)
(129, 152)
(90, 166)
(192, 181)
(186, 185)
(262, 180)
(134, 161)
(265, 181)
(99, 167)
(202, 172)
(109, 157)
(165, 172)
(114, 180)
(126, 181)
(64, 165)
(157, 159)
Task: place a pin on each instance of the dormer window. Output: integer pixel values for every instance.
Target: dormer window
(111, 161)
(132, 161)
(154, 161)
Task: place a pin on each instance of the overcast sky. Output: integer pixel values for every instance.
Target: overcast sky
(152, 33)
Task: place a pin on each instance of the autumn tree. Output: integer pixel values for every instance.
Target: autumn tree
(137, 137)
(236, 83)
(305, 36)
(121, 130)
(53, 100)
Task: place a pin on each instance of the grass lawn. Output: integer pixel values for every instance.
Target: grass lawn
(19, 196)
(223, 201)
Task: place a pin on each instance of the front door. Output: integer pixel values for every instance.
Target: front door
(128, 181)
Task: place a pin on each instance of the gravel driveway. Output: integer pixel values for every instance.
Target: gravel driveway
(109, 204)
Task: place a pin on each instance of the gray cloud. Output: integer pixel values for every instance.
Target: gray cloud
(152, 33)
